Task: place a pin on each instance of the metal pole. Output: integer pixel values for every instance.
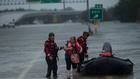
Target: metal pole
(88, 20)
(88, 10)
(64, 4)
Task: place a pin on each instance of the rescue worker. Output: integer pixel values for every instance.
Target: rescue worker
(72, 47)
(107, 50)
(51, 49)
(82, 40)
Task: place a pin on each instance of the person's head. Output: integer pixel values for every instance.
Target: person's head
(51, 36)
(73, 40)
(85, 35)
(107, 47)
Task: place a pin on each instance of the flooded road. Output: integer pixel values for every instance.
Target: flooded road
(22, 56)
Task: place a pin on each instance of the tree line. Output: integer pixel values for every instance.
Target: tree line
(127, 10)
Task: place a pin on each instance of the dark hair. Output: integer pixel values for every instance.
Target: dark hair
(51, 34)
(85, 34)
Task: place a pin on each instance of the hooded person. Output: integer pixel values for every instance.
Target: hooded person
(107, 50)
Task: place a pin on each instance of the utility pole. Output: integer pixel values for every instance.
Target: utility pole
(88, 20)
(87, 9)
(64, 6)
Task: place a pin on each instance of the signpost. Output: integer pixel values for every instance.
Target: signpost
(96, 13)
(98, 5)
(95, 16)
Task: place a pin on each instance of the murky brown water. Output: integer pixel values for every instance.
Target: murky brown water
(22, 57)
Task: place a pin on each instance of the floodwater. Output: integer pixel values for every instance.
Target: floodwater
(22, 56)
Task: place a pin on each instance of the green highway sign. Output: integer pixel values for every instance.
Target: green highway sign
(98, 5)
(96, 13)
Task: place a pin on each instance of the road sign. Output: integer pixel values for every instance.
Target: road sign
(98, 5)
(96, 13)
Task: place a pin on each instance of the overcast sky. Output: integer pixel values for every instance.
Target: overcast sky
(77, 6)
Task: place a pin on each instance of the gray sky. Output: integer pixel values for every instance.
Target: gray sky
(77, 6)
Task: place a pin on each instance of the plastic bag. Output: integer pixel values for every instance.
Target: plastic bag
(75, 58)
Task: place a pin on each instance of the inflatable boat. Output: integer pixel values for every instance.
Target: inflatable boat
(106, 66)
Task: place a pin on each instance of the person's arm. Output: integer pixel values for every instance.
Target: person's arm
(79, 48)
(67, 48)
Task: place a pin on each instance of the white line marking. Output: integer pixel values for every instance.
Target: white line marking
(23, 74)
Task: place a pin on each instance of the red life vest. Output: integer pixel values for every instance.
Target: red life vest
(82, 41)
(106, 54)
(78, 48)
(49, 48)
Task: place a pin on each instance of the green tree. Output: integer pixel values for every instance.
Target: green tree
(127, 10)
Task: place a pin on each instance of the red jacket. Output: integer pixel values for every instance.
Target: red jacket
(69, 50)
(106, 54)
(83, 43)
(49, 48)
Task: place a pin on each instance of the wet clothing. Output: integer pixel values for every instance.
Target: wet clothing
(69, 63)
(68, 60)
(83, 43)
(51, 49)
(77, 49)
(52, 66)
